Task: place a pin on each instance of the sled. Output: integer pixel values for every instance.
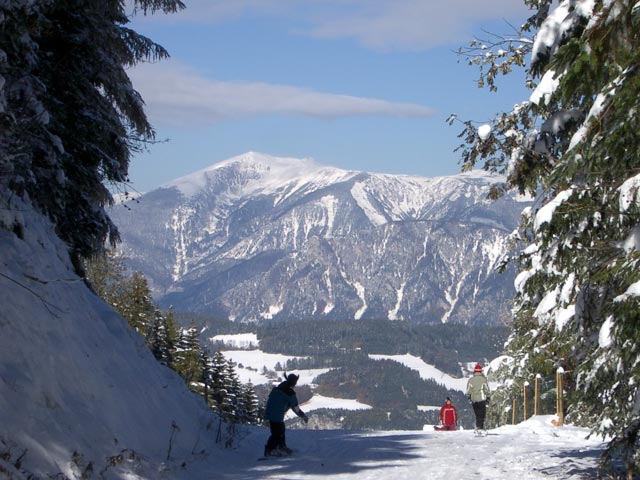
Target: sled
(445, 428)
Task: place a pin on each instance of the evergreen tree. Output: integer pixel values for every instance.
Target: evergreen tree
(171, 329)
(205, 376)
(574, 145)
(69, 115)
(188, 356)
(213, 377)
(218, 382)
(158, 339)
(250, 405)
(139, 309)
(232, 406)
(131, 297)
(107, 274)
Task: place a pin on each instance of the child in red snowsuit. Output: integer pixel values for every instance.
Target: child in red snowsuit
(448, 416)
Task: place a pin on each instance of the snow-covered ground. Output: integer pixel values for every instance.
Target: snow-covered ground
(237, 340)
(319, 401)
(532, 450)
(251, 363)
(426, 371)
(428, 408)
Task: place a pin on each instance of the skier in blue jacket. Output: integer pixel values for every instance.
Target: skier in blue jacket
(281, 399)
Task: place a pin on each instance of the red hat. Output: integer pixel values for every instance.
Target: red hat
(478, 368)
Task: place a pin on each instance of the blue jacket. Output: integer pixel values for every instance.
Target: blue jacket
(281, 399)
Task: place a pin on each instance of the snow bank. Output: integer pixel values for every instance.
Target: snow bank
(77, 385)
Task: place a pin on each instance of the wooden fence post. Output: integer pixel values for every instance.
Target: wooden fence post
(536, 395)
(524, 408)
(513, 412)
(559, 394)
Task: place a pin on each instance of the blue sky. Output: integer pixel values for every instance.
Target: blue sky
(357, 84)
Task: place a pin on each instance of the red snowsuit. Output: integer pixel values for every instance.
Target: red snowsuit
(448, 417)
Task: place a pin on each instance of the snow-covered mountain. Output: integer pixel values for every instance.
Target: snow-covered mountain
(259, 237)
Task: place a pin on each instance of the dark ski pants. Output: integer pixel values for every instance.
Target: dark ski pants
(277, 439)
(480, 409)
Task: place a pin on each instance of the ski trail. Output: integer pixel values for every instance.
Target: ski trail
(343, 455)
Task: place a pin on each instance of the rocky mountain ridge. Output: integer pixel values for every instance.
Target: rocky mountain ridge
(259, 238)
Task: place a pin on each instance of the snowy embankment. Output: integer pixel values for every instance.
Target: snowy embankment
(79, 390)
(532, 450)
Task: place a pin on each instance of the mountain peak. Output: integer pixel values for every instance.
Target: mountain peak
(253, 159)
(255, 168)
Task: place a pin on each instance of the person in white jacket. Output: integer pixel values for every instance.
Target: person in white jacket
(478, 393)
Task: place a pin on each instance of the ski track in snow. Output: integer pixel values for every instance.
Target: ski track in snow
(532, 450)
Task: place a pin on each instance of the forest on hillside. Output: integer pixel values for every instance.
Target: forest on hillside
(328, 342)
(394, 391)
(445, 345)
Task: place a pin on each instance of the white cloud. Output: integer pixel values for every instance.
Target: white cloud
(415, 24)
(377, 24)
(177, 95)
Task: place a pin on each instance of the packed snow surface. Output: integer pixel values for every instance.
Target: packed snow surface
(532, 450)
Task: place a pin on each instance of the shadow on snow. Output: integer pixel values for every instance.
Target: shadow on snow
(331, 452)
(575, 463)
